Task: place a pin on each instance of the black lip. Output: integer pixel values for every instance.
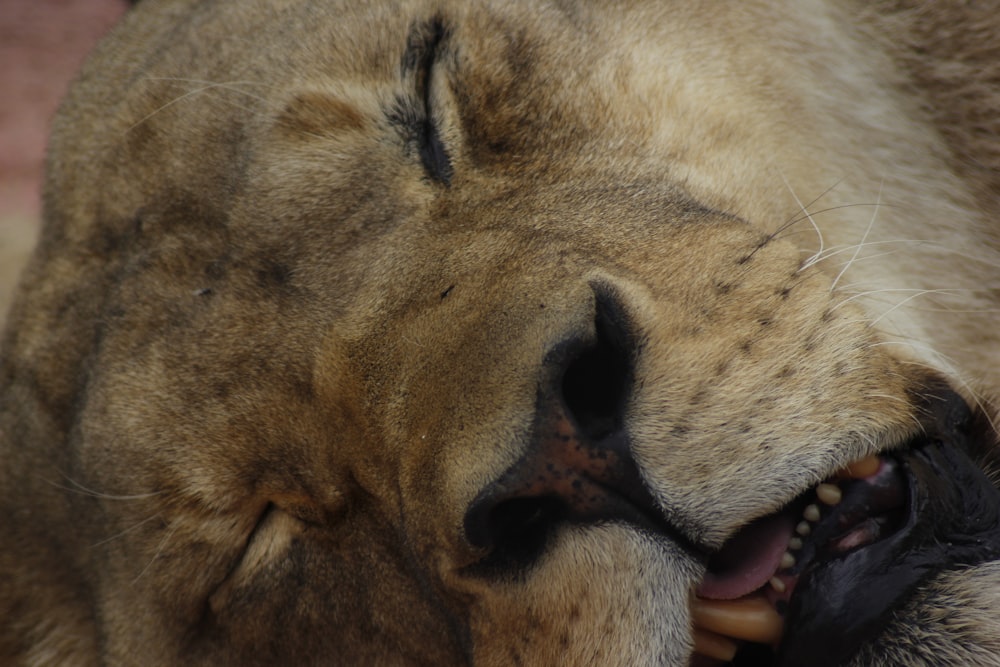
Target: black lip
(952, 520)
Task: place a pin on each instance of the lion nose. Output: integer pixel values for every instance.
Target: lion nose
(578, 466)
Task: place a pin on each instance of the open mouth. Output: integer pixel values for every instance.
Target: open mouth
(816, 581)
(813, 584)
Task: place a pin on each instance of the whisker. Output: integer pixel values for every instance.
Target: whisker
(837, 250)
(892, 290)
(864, 237)
(206, 84)
(890, 397)
(84, 491)
(976, 397)
(956, 290)
(926, 246)
(203, 86)
(836, 208)
(126, 531)
(902, 303)
(947, 365)
(794, 219)
(159, 550)
(805, 210)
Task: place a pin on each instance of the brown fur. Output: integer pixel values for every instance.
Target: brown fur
(265, 359)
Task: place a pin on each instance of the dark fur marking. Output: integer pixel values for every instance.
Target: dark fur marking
(414, 117)
(313, 114)
(699, 397)
(497, 115)
(273, 274)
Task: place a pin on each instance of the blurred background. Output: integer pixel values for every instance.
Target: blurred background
(42, 45)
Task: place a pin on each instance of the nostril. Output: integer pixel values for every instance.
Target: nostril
(514, 529)
(596, 383)
(577, 466)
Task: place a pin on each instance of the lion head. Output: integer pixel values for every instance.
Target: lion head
(494, 333)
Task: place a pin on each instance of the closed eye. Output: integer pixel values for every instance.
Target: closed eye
(413, 114)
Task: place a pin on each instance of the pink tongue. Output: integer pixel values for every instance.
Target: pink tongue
(748, 560)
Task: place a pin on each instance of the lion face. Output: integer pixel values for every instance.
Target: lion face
(495, 334)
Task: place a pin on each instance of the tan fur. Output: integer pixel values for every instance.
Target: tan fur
(17, 236)
(262, 362)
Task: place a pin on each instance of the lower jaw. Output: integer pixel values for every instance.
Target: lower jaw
(947, 516)
(753, 624)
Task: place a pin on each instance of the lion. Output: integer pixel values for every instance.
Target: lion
(512, 332)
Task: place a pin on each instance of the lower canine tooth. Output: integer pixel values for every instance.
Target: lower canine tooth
(752, 619)
(714, 645)
(811, 513)
(829, 494)
(777, 584)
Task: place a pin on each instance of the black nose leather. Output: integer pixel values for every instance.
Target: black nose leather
(578, 466)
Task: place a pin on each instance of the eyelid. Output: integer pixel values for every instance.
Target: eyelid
(270, 539)
(423, 50)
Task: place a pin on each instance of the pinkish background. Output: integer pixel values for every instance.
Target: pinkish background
(42, 44)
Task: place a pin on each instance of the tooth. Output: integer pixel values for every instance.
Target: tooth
(829, 494)
(795, 543)
(715, 646)
(778, 585)
(811, 513)
(787, 561)
(803, 528)
(752, 619)
(866, 467)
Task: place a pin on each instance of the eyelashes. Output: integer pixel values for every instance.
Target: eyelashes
(433, 154)
(413, 114)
